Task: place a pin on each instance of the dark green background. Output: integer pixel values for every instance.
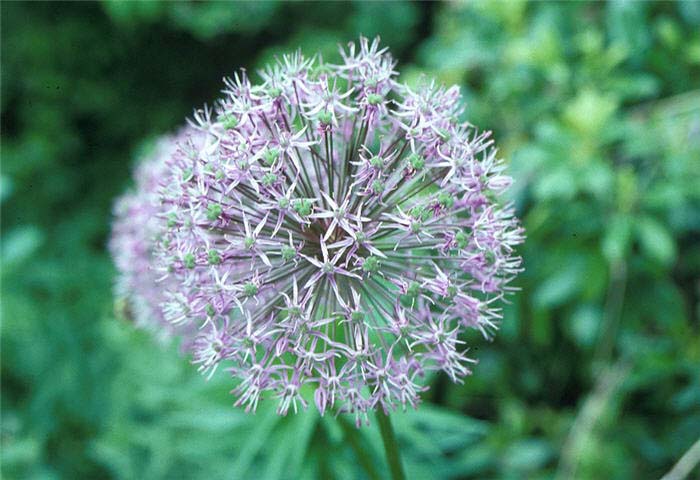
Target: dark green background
(596, 370)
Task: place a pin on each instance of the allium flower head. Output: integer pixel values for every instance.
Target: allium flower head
(334, 233)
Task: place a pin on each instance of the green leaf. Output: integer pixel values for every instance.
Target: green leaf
(265, 422)
(656, 241)
(556, 184)
(19, 244)
(291, 446)
(617, 238)
(584, 324)
(561, 285)
(528, 455)
(590, 111)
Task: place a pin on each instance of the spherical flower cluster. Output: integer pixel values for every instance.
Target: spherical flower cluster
(331, 233)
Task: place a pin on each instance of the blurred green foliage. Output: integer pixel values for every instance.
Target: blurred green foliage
(595, 373)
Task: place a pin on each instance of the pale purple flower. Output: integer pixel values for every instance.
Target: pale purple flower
(331, 234)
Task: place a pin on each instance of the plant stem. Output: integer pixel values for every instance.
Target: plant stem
(614, 303)
(391, 448)
(685, 465)
(598, 402)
